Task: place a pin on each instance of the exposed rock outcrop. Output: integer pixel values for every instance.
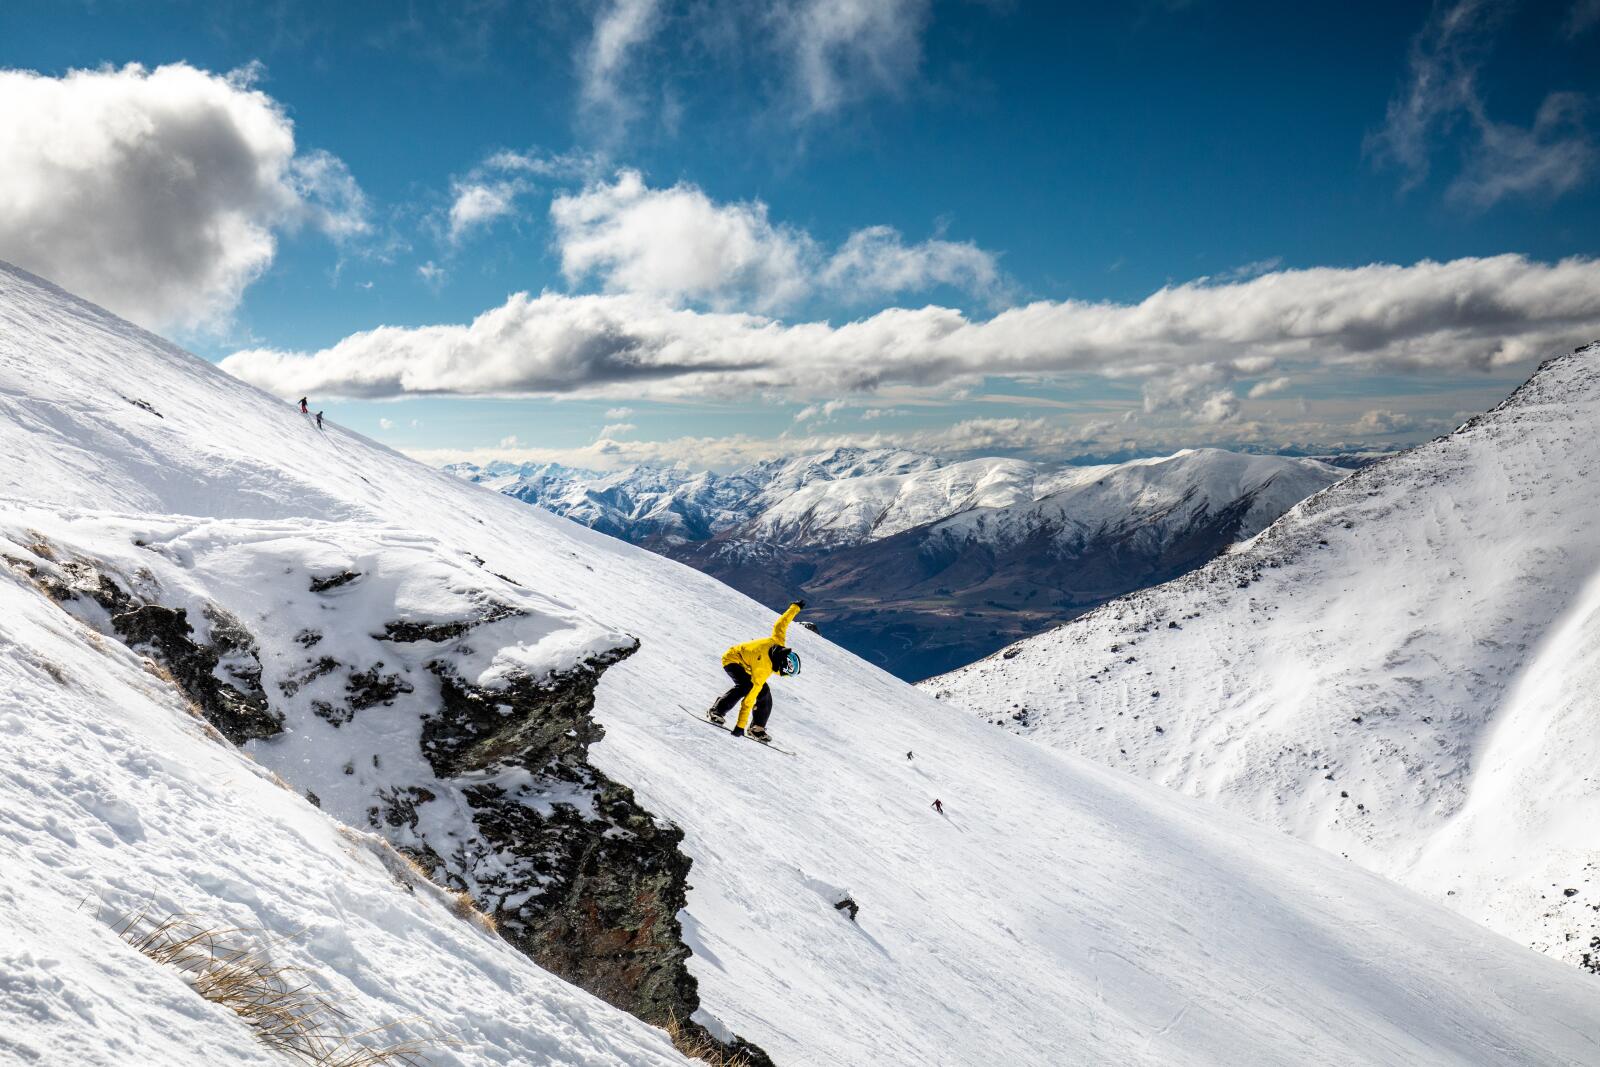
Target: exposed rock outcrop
(238, 708)
(569, 865)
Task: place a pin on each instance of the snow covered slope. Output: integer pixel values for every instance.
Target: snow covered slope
(1402, 670)
(1059, 913)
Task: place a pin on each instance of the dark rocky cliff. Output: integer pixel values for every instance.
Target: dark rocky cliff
(573, 870)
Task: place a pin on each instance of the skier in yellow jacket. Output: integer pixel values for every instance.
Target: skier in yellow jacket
(750, 665)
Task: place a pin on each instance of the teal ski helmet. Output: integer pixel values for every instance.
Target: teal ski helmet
(791, 664)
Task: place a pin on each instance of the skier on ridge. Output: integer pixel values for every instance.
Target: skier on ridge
(304, 410)
(750, 665)
(319, 420)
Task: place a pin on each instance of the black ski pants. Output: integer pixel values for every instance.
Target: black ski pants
(741, 689)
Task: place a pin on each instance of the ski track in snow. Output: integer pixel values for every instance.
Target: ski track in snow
(1063, 913)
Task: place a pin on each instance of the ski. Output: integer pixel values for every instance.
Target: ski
(764, 744)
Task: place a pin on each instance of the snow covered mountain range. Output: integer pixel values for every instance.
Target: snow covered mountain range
(921, 565)
(219, 620)
(1402, 670)
(837, 497)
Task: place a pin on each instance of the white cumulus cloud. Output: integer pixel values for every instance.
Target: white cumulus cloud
(478, 204)
(1189, 342)
(158, 193)
(823, 411)
(680, 245)
(1384, 421)
(876, 261)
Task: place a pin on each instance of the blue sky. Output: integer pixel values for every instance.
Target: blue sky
(695, 186)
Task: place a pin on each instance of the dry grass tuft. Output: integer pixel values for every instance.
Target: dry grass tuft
(161, 673)
(224, 967)
(406, 871)
(409, 875)
(463, 907)
(55, 672)
(695, 1043)
(40, 546)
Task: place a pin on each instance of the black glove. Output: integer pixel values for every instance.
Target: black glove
(801, 604)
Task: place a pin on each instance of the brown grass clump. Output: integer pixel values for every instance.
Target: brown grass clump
(56, 673)
(695, 1043)
(40, 545)
(463, 907)
(406, 871)
(224, 967)
(409, 875)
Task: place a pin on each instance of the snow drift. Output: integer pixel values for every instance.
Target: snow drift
(1060, 912)
(1401, 670)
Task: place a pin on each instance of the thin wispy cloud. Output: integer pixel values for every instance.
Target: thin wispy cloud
(490, 192)
(1047, 440)
(876, 262)
(819, 412)
(833, 54)
(480, 204)
(1442, 101)
(621, 27)
(1582, 17)
(1270, 387)
(1548, 159)
(965, 437)
(843, 50)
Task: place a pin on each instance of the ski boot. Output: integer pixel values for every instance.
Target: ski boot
(716, 718)
(738, 731)
(759, 733)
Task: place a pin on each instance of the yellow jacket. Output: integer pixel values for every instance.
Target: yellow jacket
(756, 658)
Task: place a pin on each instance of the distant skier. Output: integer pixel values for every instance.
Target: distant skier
(936, 806)
(750, 665)
(304, 409)
(908, 755)
(319, 420)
